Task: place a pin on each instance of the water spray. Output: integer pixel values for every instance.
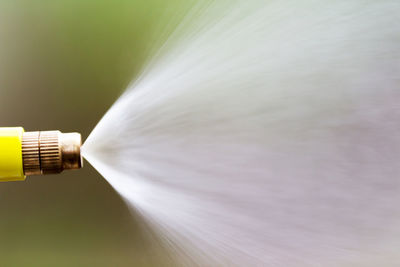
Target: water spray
(265, 133)
(37, 153)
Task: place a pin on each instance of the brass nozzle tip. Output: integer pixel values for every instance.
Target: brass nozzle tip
(49, 152)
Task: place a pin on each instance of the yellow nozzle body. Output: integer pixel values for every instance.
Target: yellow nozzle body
(35, 153)
(11, 165)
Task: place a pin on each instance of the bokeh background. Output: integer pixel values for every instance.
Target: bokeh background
(62, 65)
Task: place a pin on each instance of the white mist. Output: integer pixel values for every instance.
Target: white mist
(266, 133)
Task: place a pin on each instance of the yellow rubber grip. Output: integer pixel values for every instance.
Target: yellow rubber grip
(11, 166)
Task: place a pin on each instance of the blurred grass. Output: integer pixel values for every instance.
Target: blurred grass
(62, 65)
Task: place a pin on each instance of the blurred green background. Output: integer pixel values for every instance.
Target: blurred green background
(62, 65)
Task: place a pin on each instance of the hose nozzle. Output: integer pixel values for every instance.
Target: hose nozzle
(47, 152)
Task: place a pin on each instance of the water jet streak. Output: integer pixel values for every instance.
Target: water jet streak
(266, 134)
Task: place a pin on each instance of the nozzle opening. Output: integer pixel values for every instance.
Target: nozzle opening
(49, 152)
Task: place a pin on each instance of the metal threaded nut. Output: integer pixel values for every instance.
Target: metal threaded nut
(49, 152)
